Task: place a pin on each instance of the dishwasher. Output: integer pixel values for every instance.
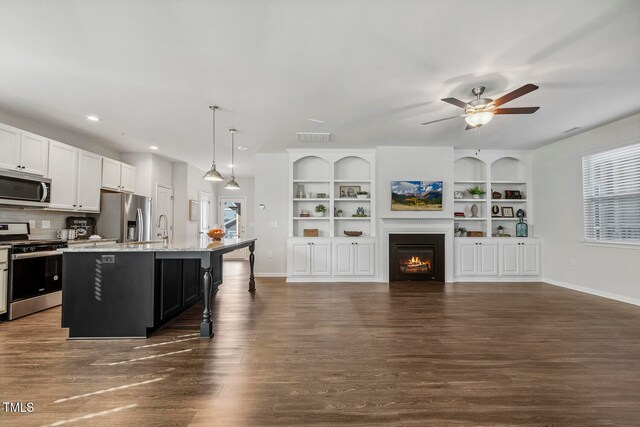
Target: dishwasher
(4, 279)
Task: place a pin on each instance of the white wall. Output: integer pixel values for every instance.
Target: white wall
(413, 164)
(187, 181)
(271, 185)
(247, 189)
(557, 182)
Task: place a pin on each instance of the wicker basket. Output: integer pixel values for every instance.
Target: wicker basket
(353, 233)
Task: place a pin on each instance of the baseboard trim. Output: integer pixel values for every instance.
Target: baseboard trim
(346, 280)
(591, 291)
(270, 275)
(524, 279)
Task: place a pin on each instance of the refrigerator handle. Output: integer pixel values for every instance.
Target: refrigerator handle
(140, 225)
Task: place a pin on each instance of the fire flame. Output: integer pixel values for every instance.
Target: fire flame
(417, 262)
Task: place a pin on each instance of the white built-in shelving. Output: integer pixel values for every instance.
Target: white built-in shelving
(493, 171)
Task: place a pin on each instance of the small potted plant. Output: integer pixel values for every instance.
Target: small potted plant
(339, 212)
(362, 195)
(500, 230)
(320, 210)
(476, 192)
(460, 232)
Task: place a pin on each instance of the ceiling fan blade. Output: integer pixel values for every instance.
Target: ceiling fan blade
(440, 120)
(520, 110)
(515, 94)
(456, 102)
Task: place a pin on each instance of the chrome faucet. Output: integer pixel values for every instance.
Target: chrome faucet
(165, 230)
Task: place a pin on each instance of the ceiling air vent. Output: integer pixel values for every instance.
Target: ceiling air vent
(313, 136)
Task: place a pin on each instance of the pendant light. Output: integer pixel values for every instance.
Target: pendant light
(232, 184)
(213, 174)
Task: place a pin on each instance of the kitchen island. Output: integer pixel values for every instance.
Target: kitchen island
(128, 290)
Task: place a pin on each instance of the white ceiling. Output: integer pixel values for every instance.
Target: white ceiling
(372, 70)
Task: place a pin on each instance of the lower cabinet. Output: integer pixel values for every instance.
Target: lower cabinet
(330, 258)
(497, 257)
(476, 258)
(353, 259)
(520, 259)
(310, 258)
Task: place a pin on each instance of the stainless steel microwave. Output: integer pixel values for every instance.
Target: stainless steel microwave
(20, 189)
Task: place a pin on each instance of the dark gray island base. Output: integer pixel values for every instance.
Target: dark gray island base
(130, 290)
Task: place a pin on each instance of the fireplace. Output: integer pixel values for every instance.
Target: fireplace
(416, 257)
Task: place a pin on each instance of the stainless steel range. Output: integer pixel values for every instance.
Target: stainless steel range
(35, 270)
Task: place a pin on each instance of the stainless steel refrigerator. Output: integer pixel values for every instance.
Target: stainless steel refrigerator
(126, 217)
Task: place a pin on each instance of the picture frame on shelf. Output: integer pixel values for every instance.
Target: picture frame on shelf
(495, 211)
(416, 195)
(349, 191)
(512, 194)
(507, 212)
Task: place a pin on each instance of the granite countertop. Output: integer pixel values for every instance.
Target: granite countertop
(208, 246)
(5, 247)
(78, 241)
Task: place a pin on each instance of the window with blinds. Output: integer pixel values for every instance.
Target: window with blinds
(611, 191)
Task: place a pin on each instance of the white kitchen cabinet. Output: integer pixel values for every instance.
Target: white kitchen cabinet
(33, 153)
(63, 172)
(310, 258)
(476, 257)
(353, 258)
(9, 147)
(118, 176)
(89, 181)
(75, 178)
(23, 151)
(127, 178)
(520, 258)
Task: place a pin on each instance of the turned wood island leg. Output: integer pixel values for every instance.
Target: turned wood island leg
(252, 257)
(206, 327)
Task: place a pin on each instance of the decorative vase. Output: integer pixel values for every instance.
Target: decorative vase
(474, 211)
(475, 196)
(318, 214)
(522, 229)
(362, 196)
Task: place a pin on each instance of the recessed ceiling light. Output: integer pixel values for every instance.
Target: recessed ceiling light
(93, 118)
(317, 120)
(153, 147)
(243, 147)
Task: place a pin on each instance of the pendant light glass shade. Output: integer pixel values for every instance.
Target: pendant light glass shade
(232, 184)
(213, 174)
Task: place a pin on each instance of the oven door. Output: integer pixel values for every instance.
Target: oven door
(35, 274)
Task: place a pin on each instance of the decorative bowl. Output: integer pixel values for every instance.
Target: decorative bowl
(353, 233)
(216, 235)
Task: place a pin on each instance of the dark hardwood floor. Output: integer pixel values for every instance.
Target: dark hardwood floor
(341, 354)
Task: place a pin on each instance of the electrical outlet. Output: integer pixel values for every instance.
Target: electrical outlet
(46, 223)
(273, 224)
(572, 262)
(32, 224)
(269, 254)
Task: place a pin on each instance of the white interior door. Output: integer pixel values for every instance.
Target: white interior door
(164, 206)
(205, 216)
(232, 221)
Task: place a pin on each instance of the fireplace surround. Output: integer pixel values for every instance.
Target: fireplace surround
(416, 257)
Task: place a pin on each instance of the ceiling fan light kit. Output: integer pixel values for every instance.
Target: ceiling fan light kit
(480, 111)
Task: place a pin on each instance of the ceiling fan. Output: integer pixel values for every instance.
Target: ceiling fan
(480, 111)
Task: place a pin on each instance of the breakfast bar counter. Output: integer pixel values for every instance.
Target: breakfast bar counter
(128, 290)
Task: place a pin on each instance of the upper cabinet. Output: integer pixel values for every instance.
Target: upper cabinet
(118, 176)
(23, 151)
(76, 178)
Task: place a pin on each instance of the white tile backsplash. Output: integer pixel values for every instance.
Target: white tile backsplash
(57, 220)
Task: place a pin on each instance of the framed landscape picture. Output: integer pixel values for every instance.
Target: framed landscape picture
(416, 195)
